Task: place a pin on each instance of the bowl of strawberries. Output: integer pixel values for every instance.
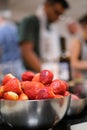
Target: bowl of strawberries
(36, 101)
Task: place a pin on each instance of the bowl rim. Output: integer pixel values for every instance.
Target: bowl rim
(37, 100)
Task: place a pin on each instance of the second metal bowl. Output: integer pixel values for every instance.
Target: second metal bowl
(77, 105)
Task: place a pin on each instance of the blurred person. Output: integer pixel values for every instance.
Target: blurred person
(79, 50)
(38, 38)
(10, 58)
(73, 28)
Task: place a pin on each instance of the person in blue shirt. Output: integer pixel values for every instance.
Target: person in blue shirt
(10, 58)
(8, 42)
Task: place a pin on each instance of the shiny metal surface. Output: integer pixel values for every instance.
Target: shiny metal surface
(34, 114)
(77, 105)
(0, 114)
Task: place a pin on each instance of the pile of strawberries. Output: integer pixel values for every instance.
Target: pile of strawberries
(33, 86)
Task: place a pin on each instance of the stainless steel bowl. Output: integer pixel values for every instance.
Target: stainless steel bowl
(77, 105)
(34, 114)
(80, 89)
(0, 115)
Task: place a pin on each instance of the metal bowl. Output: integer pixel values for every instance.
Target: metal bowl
(79, 88)
(77, 105)
(34, 114)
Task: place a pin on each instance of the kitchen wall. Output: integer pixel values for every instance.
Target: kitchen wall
(21, 8)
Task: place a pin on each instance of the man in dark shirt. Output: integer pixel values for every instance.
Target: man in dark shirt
(29, 31)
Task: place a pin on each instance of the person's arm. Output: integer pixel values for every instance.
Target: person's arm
(27, 31)
(30, 56)
(75, 52)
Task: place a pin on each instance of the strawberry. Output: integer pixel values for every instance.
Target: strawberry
(45, 93)
(46, 77)
(67, 93)
(58, 96)
(36, 77)
(25, 84)
(13, 85)
(27, 76)
(31, 88)
(1, 91)
(23, 96)
(74, 97)
(10, 96)
(66, 84)
(58, 86)
(6, 78)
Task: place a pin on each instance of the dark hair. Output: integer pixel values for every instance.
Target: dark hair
(83, 20)
(64, 3)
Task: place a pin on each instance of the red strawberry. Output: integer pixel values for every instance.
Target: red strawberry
(36, 77)
(74, 97)
(10, 96)
(6, 78)
(58, 96)
(1, 91)
(31, 88)
(25, 84)
(67, 93)
(45, 93)
(46, 77)
(66, 84)
(27, 76)
(13, 85)
(58, 86)
(23, 96)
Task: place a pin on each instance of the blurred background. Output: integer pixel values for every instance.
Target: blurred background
(21, 8)
(18, 9)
